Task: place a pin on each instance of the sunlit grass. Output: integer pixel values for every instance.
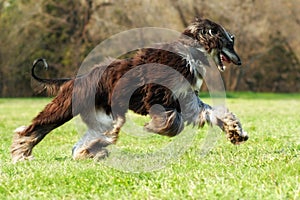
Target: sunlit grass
(267, 166)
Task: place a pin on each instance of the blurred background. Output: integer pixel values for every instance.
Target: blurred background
(64, 32)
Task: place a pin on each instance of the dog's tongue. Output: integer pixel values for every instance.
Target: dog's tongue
(225, 59)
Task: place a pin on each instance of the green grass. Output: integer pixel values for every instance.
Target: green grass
(267, 166)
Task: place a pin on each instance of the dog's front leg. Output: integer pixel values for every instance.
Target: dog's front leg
(224, 119)
(169, 123)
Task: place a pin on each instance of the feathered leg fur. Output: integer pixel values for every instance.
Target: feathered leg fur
(102, 131)
(224, 119)
(54, 115)
(171, 123)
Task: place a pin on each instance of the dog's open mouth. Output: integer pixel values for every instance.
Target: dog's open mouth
(223, 58)
(220, 59)
(226, 56)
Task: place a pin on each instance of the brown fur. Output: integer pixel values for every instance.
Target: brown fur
(105, 89)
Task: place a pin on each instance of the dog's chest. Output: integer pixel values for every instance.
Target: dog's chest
(198, 84)
(197, 70)
(196, 62)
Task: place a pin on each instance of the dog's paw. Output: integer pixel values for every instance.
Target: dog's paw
(20, 158)
(94, 149)
(100, 155)
(233, 129)
(84, 153)
(81, 153)
(21, 147)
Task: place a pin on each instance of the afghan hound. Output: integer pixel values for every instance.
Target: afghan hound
(161, 82)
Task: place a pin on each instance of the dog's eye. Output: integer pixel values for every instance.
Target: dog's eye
(212, 32)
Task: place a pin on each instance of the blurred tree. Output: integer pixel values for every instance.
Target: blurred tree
(64, 32)
(52, 29)
(15, 54)
(284, 76)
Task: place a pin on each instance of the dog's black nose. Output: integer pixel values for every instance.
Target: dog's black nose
(239, 62)
(246, 138)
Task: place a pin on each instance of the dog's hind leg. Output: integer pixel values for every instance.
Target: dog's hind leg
(91, 145)
(102, 131)
(54, 115)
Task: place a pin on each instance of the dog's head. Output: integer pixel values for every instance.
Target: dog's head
(217, 42)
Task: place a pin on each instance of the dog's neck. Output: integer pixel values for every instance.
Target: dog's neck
(196, 62)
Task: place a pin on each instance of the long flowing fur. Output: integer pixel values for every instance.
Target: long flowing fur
(101, 97)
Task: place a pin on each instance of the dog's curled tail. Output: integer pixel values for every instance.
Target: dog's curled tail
(51, 86)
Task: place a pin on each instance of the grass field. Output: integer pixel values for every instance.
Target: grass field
(267, 166)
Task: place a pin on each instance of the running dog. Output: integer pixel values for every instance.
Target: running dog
(161, 82)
